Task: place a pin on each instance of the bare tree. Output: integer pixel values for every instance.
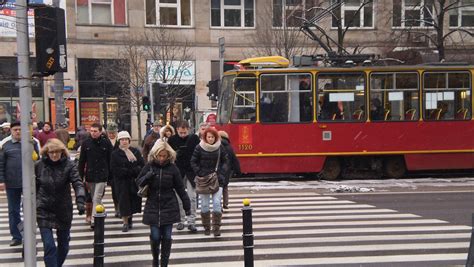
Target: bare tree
(171, 59)
(429, 23)
(278, 32)
(129, 75)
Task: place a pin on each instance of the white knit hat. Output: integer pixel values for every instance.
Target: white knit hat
(123, 134)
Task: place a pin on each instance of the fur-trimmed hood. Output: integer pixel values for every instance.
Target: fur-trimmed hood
(164, 128)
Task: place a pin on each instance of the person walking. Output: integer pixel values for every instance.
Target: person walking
(178, 143)
(81, 135)
(94, 163)
(112, 131)
(62, 133)
(234, 167)
(55, 174)
(11, 175)
(151, 139)
(162, 177)
(126, 162)
(165, 134)
(46, 134)
(209, 155)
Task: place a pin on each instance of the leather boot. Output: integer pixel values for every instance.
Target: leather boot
(88, 212)
(216, 223)
(206, 222)
(165, 251)
(155, 251)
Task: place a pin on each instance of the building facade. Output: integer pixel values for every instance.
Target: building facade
(97, 29)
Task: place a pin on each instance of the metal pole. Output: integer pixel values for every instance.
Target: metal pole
(99, 222)
(24, 81)
(104, 105)
(247, 236)
(221, 57)
(152, 104)
(59, 91)
(470, 255)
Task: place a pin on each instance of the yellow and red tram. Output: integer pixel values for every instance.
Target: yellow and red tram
(383, 120)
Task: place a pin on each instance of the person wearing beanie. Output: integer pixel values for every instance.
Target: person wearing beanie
(46, 134)
(126, 162)
(234, 167)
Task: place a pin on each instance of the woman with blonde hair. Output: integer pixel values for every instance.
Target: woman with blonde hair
(55, 174)
(163, 178)
(208, 156)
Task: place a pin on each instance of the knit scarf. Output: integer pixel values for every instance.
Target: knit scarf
(208, 147)
(128, 152)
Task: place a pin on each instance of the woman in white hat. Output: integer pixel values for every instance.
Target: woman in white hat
(126, 162)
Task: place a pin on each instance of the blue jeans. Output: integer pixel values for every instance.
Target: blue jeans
(14, 206)
(55, 257)
(160, 232)
(216, 201)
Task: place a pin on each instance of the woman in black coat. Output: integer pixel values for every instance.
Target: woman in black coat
(234, 167)
(55, 174)
(161, 209)
(207, 155)
(126, 162)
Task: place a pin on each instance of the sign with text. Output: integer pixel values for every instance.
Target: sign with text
(90, 113)
(172, 72)
(69, 114)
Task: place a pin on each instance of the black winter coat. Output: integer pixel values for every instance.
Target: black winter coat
(191, 144)
(53, 192)
(204, 162)
(179, 145)
(94, 159)
(124, 174)
(162, 207)
(234, 164)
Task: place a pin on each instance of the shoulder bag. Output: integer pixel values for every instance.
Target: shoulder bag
(208, 184)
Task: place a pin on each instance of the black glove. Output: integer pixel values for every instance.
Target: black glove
(188, 212)
(80, 208)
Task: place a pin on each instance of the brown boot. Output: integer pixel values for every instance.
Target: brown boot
(88, 212)
(216, 223)
(206, 222)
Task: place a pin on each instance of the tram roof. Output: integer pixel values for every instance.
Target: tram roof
(450, 67)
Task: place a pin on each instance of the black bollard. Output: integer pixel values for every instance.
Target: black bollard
(99, 222)
(247, 235)
(470, 255)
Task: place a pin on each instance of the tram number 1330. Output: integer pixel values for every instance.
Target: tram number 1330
(245, 147)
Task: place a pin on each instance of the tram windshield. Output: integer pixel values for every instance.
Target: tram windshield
(225, 101)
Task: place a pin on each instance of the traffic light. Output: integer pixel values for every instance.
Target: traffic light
(213, 89)
(146, 103)
(50, 40)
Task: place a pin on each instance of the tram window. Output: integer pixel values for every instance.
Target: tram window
(286, 98)
(341, 97)
(447, 96)
(243, 109)
(225, 99)
(394, 96)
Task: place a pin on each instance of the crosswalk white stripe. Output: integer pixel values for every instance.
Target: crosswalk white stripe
(277, 215)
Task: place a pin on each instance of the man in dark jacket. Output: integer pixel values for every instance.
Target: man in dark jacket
(11, 175)
(94, 163)
(178, 143)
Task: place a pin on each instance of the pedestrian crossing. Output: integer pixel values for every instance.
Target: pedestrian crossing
(291, 227)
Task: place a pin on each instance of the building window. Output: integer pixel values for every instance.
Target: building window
(168, 12)
(290, 12)
(233, 13)
(102, 12)
(412, 13)
(463, 16)
(355, 14)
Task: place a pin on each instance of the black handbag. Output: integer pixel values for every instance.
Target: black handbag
(208, 184)
(143, 190)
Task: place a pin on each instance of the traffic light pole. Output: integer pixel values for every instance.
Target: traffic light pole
(28, 180)
(152, 104)
(59, 91)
